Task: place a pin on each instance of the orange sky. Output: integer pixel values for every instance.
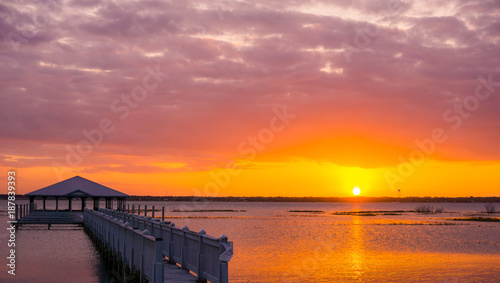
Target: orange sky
(310, 99)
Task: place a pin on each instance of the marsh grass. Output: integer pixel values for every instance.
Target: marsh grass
(370, 212)
(354, 213)
(206, 210)
(421, 223)
(428, 209)
(490, 208)
(307, 211)
(480, 219)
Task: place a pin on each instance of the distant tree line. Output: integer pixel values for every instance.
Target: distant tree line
(305, 199)
(316, 199)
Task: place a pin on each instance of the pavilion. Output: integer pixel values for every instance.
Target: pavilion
(78, 187)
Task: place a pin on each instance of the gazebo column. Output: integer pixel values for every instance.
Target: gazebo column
(70, 208)
(109, 203)
(96, 203)
(84, 203)
(44, 198)
(57, 203)
(32, 205)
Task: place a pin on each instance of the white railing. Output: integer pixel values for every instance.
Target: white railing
(24, 209)
(202, 254)
(137, 249)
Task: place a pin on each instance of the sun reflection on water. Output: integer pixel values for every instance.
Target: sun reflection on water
(356, 253)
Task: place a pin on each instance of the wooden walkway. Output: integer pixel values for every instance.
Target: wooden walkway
(52, 217)
(173, 273)
(143, 244)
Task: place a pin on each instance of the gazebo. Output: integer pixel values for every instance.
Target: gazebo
(78, 187)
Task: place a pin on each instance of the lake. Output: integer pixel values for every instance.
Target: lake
(298, 242)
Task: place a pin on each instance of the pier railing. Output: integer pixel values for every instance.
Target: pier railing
(137, 250)
(24, 209)
(202, 254)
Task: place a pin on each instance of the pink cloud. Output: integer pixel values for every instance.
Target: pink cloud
(225, 76)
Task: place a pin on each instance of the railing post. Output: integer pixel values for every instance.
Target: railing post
(17, 212)
(171, 244)
(226, 253)
(163, 213)
(184, 247)
(139, 210)
(201, 257)
(125, 260)
(158, 265)
(223, 272)
(153, 212)
(145, 210)
(141, 265)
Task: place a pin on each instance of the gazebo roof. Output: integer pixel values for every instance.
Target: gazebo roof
(77, 187)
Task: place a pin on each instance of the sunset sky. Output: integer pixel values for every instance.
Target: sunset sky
(253, 98)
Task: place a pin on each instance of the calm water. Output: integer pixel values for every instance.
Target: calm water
(272, 244)
(62, 254)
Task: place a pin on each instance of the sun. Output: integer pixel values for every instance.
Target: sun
(356, 190)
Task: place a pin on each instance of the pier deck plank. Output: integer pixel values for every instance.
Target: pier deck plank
(173, 273)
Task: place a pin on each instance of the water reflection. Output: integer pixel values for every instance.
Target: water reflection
(63, 254)
(273, 244)
(356, 252)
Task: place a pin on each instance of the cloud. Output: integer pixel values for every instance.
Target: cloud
(226, 75)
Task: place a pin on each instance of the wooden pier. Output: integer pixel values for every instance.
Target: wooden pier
(156, 250)
(139, 248)
(144, 248)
